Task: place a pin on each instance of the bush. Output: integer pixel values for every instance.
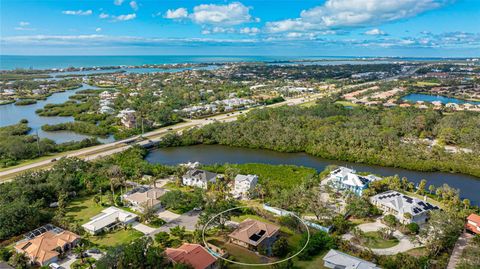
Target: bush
(390, 220)
(280, 248)
(318, 242)
(413, 228)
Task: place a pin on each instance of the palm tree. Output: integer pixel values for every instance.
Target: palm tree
(80, 251)
(116, 177)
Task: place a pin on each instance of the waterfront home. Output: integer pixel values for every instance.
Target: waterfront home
(45, 248)
(473, 223)
(193, 255)
(243, 185)
(405, 208)
(338, 260)
(199, 178)
(346, 179)
(141, 200)
(109, 219)
(252, 234)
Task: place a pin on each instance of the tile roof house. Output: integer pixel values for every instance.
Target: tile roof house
(192, 254)
(405, 208)
(243, 185)
(346, 179)
(253, 233)
(109, 218)
(140, 200)
(473, 223)
(198, 178)
(45, 248)
(339, 260)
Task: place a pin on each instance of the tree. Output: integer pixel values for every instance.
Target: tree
(421, 186)
(163, 238)
(19, 261)
(413, 227)
(317, 205)
(358, 207)
(280, 248)
(431, 188)
(390, 220)
(5, 254)
(386, 232)
(80, 251)
(178, 232)
(466, 203)
(441, 231)
(318, 242)
(149, 213)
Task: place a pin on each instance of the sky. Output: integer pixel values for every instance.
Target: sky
(409, 28)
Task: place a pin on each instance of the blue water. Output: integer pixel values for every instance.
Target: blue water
(414, 97)
(12, 114)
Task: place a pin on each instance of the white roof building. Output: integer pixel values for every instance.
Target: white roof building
(243, 185)
(344, 178)
(109, 218)
(336, 259)
(398, 204)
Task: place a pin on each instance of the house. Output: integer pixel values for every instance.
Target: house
(198, 178)
(141, 200)
(45, 248)
(243, 185)
(346, 179)
(127, 118)
(192, 254)
(110, 218)
(473, 223)
(253, 233)
(405, 208)
(339, 260)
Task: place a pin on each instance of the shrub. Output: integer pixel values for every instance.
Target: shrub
(280, 248)
(390, 220)
(413, 228)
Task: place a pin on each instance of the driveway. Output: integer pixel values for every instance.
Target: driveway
(404, 243)
(166, 215)
(188, 220)
(142, 228)
(462, 242)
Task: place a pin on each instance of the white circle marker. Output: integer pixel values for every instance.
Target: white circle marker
(252, 264)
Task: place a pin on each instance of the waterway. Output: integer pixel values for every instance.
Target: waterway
(469, 186)
(12, 114)
(414, 97)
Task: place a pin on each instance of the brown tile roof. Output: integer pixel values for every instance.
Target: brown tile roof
(250, 227)
(43, 247)
(192, 254)
(150, 197)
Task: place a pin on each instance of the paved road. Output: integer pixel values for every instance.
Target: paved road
(188, 220)
(404, 243)
(462, 242)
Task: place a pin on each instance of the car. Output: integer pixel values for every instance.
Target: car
(169, 129)
(94, 251)
(54, 265)
(53, 160)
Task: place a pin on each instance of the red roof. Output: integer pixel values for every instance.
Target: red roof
(474, 218)
(193, 254)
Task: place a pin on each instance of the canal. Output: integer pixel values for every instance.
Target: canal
(469, 186)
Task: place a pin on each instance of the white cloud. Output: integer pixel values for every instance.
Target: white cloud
(231, 14)
(23, 26)
(353, 13)
(118, 2)
(98, 29)
(125, 17)
(134, 5)
(104, 16)
(218, 30)
(176, 14)
(24, 23)
(375, 31)
(250, 30)
(78, 12)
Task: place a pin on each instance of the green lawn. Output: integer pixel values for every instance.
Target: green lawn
(346, 103)
(315, 263)
(115, 238)
(82, 209)
(375, 240)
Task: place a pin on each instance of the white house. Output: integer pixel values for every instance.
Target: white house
(346, 179)
(198, 178)
(405, 208)
(338, 260)
(243, 185)
(141, 200)
(109, 218)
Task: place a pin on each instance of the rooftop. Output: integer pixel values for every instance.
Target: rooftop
(253, 231)
(192, 254)
(343, 260)
(403, 203)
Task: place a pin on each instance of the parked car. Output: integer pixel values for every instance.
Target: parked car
(54, 265)
(94, 251)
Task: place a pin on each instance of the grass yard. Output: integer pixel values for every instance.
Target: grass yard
(238, 253)
(375, 240)
(315, 263)
(426, 83)
(346, 103)
(82, 209)
(115, 238)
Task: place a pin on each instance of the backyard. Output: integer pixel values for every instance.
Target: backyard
(375, 240)
(110, 239)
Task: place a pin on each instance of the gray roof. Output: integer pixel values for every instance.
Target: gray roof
(201, 175)
(403, 203)
(343, 260)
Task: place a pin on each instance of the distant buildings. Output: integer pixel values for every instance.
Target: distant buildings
(338, 260)
(193, 255)
(473, 223)
(346, 179)
(110, 218)
(405, 208)
(48, 246)
(252, 234)
(127, 118)
(198, 178)
(243, 185)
